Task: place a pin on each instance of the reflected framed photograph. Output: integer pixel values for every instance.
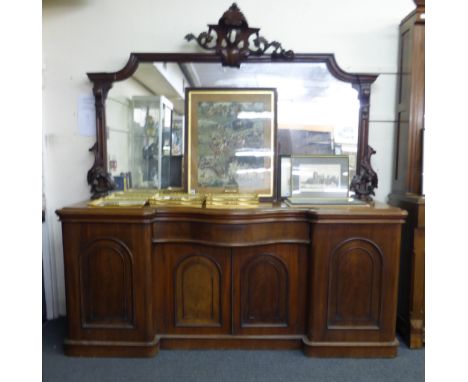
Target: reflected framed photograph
(320, 176)
(231, 140)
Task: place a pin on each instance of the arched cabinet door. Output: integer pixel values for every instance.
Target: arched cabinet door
(198, 286)
(355, 285)
(106, 277)
(265, 289)
(353, 272)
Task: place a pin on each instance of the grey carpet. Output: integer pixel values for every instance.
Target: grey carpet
(222, 365)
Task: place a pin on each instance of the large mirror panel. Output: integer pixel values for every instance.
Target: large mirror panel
(317, 114)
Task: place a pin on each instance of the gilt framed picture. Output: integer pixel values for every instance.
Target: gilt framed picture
(320, 176)
(231, 140)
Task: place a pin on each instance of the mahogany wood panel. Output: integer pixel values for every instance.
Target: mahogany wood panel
(364, 257)
(197, 294)
(106, 271)
(232, 231)
(358, 349)
(197, 288)
(411, 290)
(355, 282)
(269, 289)
(108, 290)
(232, 342)
(264, 292)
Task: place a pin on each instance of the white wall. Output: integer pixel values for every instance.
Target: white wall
(82, 36)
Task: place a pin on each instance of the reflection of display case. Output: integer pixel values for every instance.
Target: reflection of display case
(177, 136)
(175, 147)
(151, 152)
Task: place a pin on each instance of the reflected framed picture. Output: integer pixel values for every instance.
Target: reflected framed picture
(320, 176)
(231, 140)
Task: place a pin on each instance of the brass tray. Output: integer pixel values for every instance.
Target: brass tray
(103, 202)
(131, 195)
(232, 201)
(177, 199)
(250, 198)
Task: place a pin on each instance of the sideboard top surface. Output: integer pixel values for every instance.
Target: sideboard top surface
(279, 211)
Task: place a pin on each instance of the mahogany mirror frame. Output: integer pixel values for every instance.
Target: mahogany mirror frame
(231, 44)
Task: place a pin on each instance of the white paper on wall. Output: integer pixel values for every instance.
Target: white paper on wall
(86, 115)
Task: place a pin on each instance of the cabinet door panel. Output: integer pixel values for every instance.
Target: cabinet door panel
(197, 284)
(107, 280)
(108, 290)
(264, 294)
(266, 289)
(197, 299)
(354, 268)
(355, 285)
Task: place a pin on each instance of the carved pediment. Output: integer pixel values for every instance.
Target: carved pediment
(234, 40)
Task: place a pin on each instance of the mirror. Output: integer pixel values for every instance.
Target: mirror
(141, 112)
(317, 114)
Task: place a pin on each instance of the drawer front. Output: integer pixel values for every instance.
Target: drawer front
(232, 235)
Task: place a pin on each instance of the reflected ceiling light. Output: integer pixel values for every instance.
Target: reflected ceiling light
(254, 153)
(252, 171)
(255, 115)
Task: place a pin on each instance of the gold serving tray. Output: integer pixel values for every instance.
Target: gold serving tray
(231, 206)
(117, 203)
(248, 198)
(232, 201)
(127, 195)
(177, 199)
(129, 198)
(168, 198)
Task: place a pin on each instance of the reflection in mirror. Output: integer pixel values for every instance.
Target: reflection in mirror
(317, 115)
(145, 119)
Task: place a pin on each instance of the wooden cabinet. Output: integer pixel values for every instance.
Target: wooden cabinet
(274, 277)
(407, 189)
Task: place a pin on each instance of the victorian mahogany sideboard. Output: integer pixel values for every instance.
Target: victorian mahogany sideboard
(321, 279)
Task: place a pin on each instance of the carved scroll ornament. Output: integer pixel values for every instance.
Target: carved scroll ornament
(99, 179)
(234, 40)
(365, 181)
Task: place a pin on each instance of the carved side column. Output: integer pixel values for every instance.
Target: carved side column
(365, 180)
(99, 179)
